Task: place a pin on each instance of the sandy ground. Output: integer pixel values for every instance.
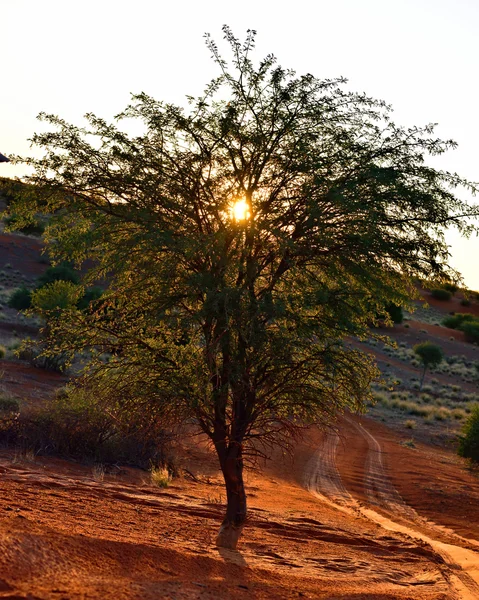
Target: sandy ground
(355, 515)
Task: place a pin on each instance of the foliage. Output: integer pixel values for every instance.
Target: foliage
(90, 296)
(441, 294)
(469, 441)
(160, 476)
(455, 321)
(21, 299)
(395, 312)
(450, 287)
(242, 321)
(430, 355)
(3, 351)
(471, 331)
(34, 227)
(58, 273)
(8, 404)
(54, 297)
(76, 424)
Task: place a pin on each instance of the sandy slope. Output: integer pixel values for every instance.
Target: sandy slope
(65, 535)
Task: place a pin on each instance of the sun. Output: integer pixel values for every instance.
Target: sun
(240, 211)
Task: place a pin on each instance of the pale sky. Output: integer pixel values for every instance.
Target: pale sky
(71, 57)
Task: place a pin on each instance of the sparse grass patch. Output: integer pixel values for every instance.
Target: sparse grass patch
(160, 477)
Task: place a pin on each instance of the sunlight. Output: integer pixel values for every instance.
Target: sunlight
(240, 211)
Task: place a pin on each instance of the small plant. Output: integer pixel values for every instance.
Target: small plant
(21, 299)
(410, 424)
(160, 477)
(98, 472)
(471, 331)
(455, 321)
(469, 441)
(3, 351)
(408, 443)
(441, 294)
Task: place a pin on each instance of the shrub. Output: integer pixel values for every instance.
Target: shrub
(32, 353)
(91, 295)
(469, 441)
(8, 404)
(80, 424)
(33, 227)
(450, 287)
(395, 312)
(441, 294)
(465, 302)
(160, 476)
(3, 351)
(55, 296)
(455, 321)
(471, 331)
(59, 273)
(21, 299)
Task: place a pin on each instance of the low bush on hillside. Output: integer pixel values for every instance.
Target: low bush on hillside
(441, 294)
(455, 321)
(61, 272)
(3, 351)
(450, 287)
(471, 331)
(21, 299)
(34, 227)
(78, 424)
(469, 441)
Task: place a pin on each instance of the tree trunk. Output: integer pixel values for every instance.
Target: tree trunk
(233, 523)
(422, 378)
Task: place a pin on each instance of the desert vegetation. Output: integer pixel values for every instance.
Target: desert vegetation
(242, 245)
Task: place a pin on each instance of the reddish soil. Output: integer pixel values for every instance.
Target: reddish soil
(452, 305)
(28, 383)
(64, 534)
(22, 253)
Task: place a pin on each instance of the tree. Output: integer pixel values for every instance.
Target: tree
(245, 240)
(430, 355)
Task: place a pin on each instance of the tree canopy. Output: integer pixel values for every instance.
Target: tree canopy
(245, 240)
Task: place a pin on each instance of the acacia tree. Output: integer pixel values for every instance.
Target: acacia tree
(244, 241)
(430, 355)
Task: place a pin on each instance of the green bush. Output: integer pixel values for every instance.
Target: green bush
(3, 351)
(91, 295)
(59, 273)
(56, 296)
(32, 353)
(79, 423)
(469, 441)
(8, 404)
(455, 321)
(471, 331)
(21, 299)
(395, 312)
(450, 287)
(441, 294)
(34, 227)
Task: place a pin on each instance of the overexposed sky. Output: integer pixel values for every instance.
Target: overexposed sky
(70, 57)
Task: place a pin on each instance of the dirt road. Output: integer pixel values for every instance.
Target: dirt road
(381, 503)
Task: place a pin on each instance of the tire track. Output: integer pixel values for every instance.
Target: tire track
(323, 479)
